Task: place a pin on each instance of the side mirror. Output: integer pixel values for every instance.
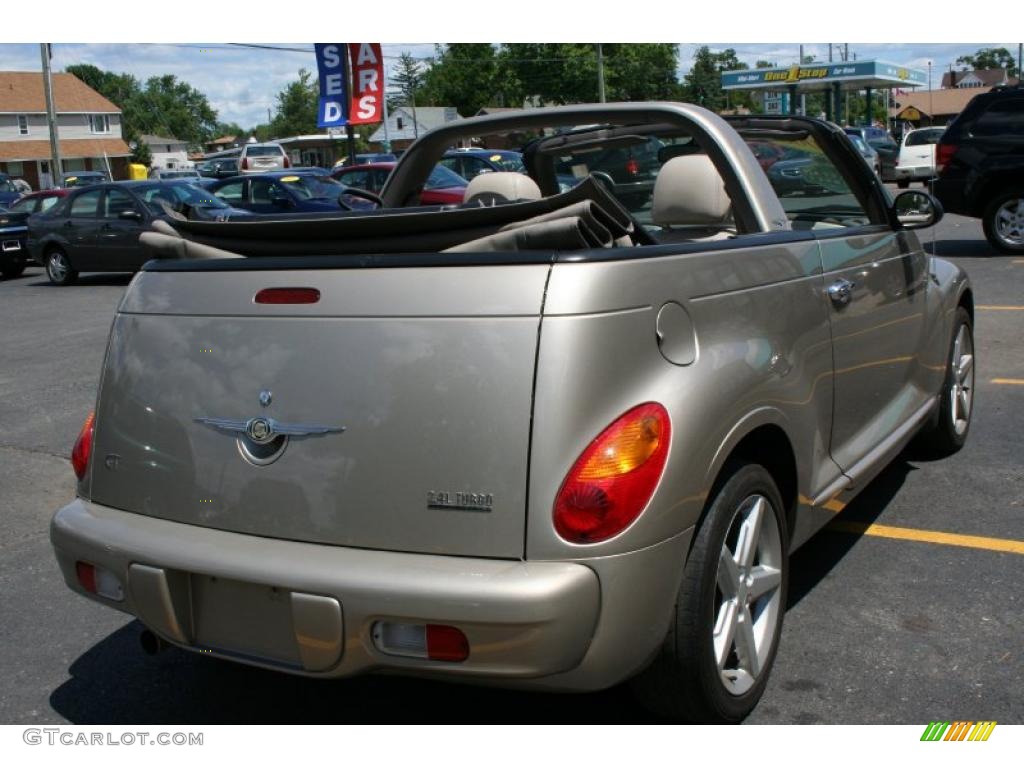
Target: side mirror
(130, 215)
(916, 209)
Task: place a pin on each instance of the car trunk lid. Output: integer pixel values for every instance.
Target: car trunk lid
(408, 392)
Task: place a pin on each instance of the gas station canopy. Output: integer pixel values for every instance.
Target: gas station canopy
(821, 76)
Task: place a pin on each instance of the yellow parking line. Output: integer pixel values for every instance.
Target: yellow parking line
(930, 537)
(1014, 382)
(1000, 308)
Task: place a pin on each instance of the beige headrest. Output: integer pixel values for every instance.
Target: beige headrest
(689, 191)
(501, 187)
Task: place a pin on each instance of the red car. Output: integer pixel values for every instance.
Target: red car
(444, 186)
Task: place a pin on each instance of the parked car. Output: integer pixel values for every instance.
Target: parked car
(97, 229)
(869, 153)
(222, 168)
(163, 174)
(442, 186)
(882, 142)
(13, 238)
(469, 163)
(260, 158)
(917, 156)
(8, 191)
(368, 157)
(629, 169)
(980, 164)
(530, 443)
(14, 253)
(82, 179)
(292, 191)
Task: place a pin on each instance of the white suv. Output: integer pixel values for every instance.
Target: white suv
(259, 158)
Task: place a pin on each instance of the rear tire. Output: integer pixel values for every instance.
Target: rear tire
(58, 267)
(947, 432)
(714, 664)
(1003, 222)
(903, 183)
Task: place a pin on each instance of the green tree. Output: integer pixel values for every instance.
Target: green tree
(461, 75)
(140, 152)
(991, 58)
(703, 83)
(409, 77)
(297, 107)
(174, 108)
(229, 129)
(164, 106)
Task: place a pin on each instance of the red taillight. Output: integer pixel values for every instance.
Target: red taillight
(612, 481)
(245, 163)
(632, 167)
(86, 576)
(287, 162)
(288, 296)
(83, 447)
(943, 155)
(446, 643)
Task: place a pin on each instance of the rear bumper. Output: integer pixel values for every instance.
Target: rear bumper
(310, 608)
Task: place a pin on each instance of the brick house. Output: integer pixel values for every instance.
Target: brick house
(89, 127)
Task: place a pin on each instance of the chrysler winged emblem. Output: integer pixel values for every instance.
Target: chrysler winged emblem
(263, 429)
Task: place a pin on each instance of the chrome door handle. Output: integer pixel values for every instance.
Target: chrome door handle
(841, 291)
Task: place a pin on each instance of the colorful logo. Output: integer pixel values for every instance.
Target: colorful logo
(960, 730)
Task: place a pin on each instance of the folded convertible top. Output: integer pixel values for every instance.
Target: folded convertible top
(407, 230)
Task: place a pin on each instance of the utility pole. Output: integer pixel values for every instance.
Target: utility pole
(600, 75)
(830, 53)
(1020, 61)
(51, 117)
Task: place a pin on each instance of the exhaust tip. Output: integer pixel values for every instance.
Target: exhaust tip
(151, 644)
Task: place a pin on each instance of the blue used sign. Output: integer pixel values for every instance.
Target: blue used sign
(332, 64)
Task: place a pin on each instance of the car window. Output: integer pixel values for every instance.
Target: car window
(509, 161)
(812, 188)
(263, 151)
(358, 179)
(118, 201)
(306, 186)
(47, 203)
(24, 204)
(471, 168)
(920, 138)
(443, 178)
(1004, 117)
(265, 191)
(451, 163)
(85, 204)
(232, 192)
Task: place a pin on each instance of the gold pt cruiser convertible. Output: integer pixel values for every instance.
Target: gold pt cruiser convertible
(561, 435)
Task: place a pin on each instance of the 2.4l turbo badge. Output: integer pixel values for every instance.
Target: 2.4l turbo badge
(467, 502)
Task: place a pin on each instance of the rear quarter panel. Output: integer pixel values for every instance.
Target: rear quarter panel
(763, 357)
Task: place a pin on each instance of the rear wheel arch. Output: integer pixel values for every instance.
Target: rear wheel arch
(967, 302)
(769, 445)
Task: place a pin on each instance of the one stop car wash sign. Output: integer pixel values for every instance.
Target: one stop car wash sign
(335, 108)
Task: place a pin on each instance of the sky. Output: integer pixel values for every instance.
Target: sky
(242, 83)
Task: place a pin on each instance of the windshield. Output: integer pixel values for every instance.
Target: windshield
(177, 196)
(306, 186)
(858, 142)
(508, 161)
(919, 138)
(443, 178)
(7, 186)
(263, 151)
(82, 181)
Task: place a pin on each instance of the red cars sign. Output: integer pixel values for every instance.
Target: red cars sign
(367, 66)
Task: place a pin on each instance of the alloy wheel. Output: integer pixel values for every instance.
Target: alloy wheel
(1009, 222)
(748, 596)
(57, 266)
(961, 394)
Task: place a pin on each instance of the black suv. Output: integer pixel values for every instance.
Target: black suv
(980, 162)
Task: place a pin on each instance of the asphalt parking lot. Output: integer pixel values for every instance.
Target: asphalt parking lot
(888, 622)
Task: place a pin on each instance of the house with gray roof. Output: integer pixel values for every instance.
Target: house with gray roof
(406, 124)
(167, 152)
